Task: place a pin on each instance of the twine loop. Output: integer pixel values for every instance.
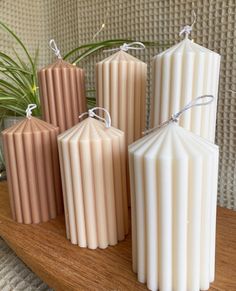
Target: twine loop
(29, 110)
(136, 45)
(54, 48)
(187, 29)
(92, 114)
(175, 117)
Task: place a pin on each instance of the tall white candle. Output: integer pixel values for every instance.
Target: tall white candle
(92, 161)
(180, 74)
(173, 175)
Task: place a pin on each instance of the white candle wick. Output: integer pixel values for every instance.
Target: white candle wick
(188, 28)
(55, 49)
(175, 117)
(136, 45)
(91, 113)
(29, 110)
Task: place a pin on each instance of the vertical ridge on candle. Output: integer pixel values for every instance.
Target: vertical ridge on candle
(32, 170)
(180, 74)
(62, 94)
(173, 176)
(121, 83)
(98, 210)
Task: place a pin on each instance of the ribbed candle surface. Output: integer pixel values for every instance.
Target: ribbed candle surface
(180, 74)
(173, 175)
(33, 175)
(121, 89)
(92, 160)
(62, 94)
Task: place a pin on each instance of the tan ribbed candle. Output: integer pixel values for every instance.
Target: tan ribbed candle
(62, 94)
(92, 160)
(33, 175)
(121, 89)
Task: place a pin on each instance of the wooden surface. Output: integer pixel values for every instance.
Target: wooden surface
(45, 249)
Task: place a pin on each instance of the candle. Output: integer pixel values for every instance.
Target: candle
(121, 89)
(173, 175)
(62, 92)
(32, 165)
(92, 161)
(180, 74)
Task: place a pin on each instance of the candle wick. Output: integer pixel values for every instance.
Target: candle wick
(136, 45)
(55, 49)
(92, 114)
(29, 110)
(187, 29)
(175, 117)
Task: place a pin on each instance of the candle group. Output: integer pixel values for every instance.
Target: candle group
(173, 176)
(33, 176)
(173, 171)
(62, 94)
(180, 74)
(92, 160)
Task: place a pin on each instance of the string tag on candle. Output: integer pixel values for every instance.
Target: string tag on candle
(175, 117)
(137, 45)
(91, 113)
(55, 49)
(188, 28)
(29, 110)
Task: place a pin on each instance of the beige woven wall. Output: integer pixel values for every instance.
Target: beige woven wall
(36, 22)
(74, 22)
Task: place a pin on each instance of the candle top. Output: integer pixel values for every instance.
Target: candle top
(187, 46)
(60, 64)
(121, 56)
(30, 125)
(172, 141)
(90, 129)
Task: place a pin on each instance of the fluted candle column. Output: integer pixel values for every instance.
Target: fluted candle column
(121, 89)
(173, 176)
(33, 176)
(180, 74)
(62, 93)
(92, 161)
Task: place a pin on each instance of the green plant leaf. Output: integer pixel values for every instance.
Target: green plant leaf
(4, 26)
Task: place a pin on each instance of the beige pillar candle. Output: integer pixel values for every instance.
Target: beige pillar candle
(33, 176)
(180, 74)
(62, 92)
(173, 175)
(92, 161)
(121, 89)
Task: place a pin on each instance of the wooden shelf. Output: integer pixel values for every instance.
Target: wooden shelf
(45, 249)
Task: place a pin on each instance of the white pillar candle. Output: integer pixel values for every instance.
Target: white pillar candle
(173, 175)
(180, 74)
(92, 161)
(121, 89)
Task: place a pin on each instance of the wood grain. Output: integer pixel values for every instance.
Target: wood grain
(45, 249)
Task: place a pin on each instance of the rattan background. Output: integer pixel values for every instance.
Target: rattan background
(74, 22)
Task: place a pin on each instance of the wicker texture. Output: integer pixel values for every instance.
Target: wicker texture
(14, 275)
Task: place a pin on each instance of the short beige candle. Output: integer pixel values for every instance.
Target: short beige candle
(92, 161)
